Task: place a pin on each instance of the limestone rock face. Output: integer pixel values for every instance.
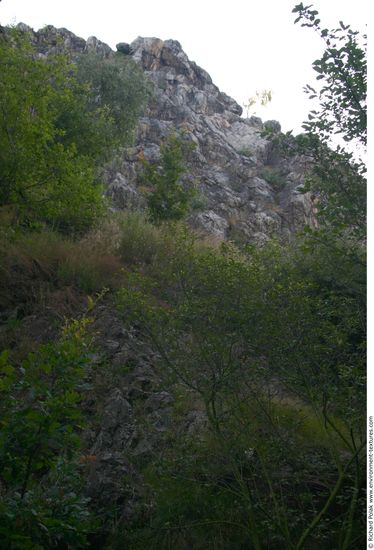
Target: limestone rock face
(50, 41)
(246, 191)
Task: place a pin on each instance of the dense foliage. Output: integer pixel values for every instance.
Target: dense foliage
(263, 348)
(54, 131)
(276, 360)
(338, 178)
(117, 86)
(41, 504)
(169, 199)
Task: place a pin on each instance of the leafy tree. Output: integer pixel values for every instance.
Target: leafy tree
(276, 362)
(41, 501)
(116, 85)
(169, 199)
(343, 72)
(338, 177)
(59, 123)
(42, 176)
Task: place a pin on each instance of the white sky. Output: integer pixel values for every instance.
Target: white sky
(244, 45)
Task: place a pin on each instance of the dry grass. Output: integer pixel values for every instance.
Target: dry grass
(140, 241)
(34, 266)
(47, 271)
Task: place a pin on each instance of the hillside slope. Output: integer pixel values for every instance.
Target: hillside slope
(162, 387)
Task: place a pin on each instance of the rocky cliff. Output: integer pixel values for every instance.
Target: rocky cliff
(247, 190)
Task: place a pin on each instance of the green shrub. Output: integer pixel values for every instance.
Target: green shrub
(169, 200)
(43, 176)
(41, 500)
(199, 202)
(240, 330)
(117, 85)
(139, 240)
(274, 178)
(60, 121)
(246, 152)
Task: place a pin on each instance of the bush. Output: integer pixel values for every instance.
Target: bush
(141, 243)
(118, 86)
(246, 152)
(170, 200)
(60, 123)
(139, 240)
(274, 178)
(275, 356)
(42, 175)
(41, 500)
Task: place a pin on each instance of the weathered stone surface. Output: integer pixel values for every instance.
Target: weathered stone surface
(116, 425)
(272, 125)
(211, 222)
(50, 41)
(111, 481)
(230, 152)
(129, 413)
(124, 48)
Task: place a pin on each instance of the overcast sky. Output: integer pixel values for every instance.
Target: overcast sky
(244, 45)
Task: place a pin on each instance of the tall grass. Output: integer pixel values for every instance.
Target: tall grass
(35, 263)
(50, 261)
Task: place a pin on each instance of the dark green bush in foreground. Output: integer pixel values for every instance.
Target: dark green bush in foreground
(275, 357)
(41, 501)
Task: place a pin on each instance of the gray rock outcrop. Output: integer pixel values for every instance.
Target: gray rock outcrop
(246, 191)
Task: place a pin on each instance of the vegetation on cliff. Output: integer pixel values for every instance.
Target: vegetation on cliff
(58, 122)
(265, 345)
